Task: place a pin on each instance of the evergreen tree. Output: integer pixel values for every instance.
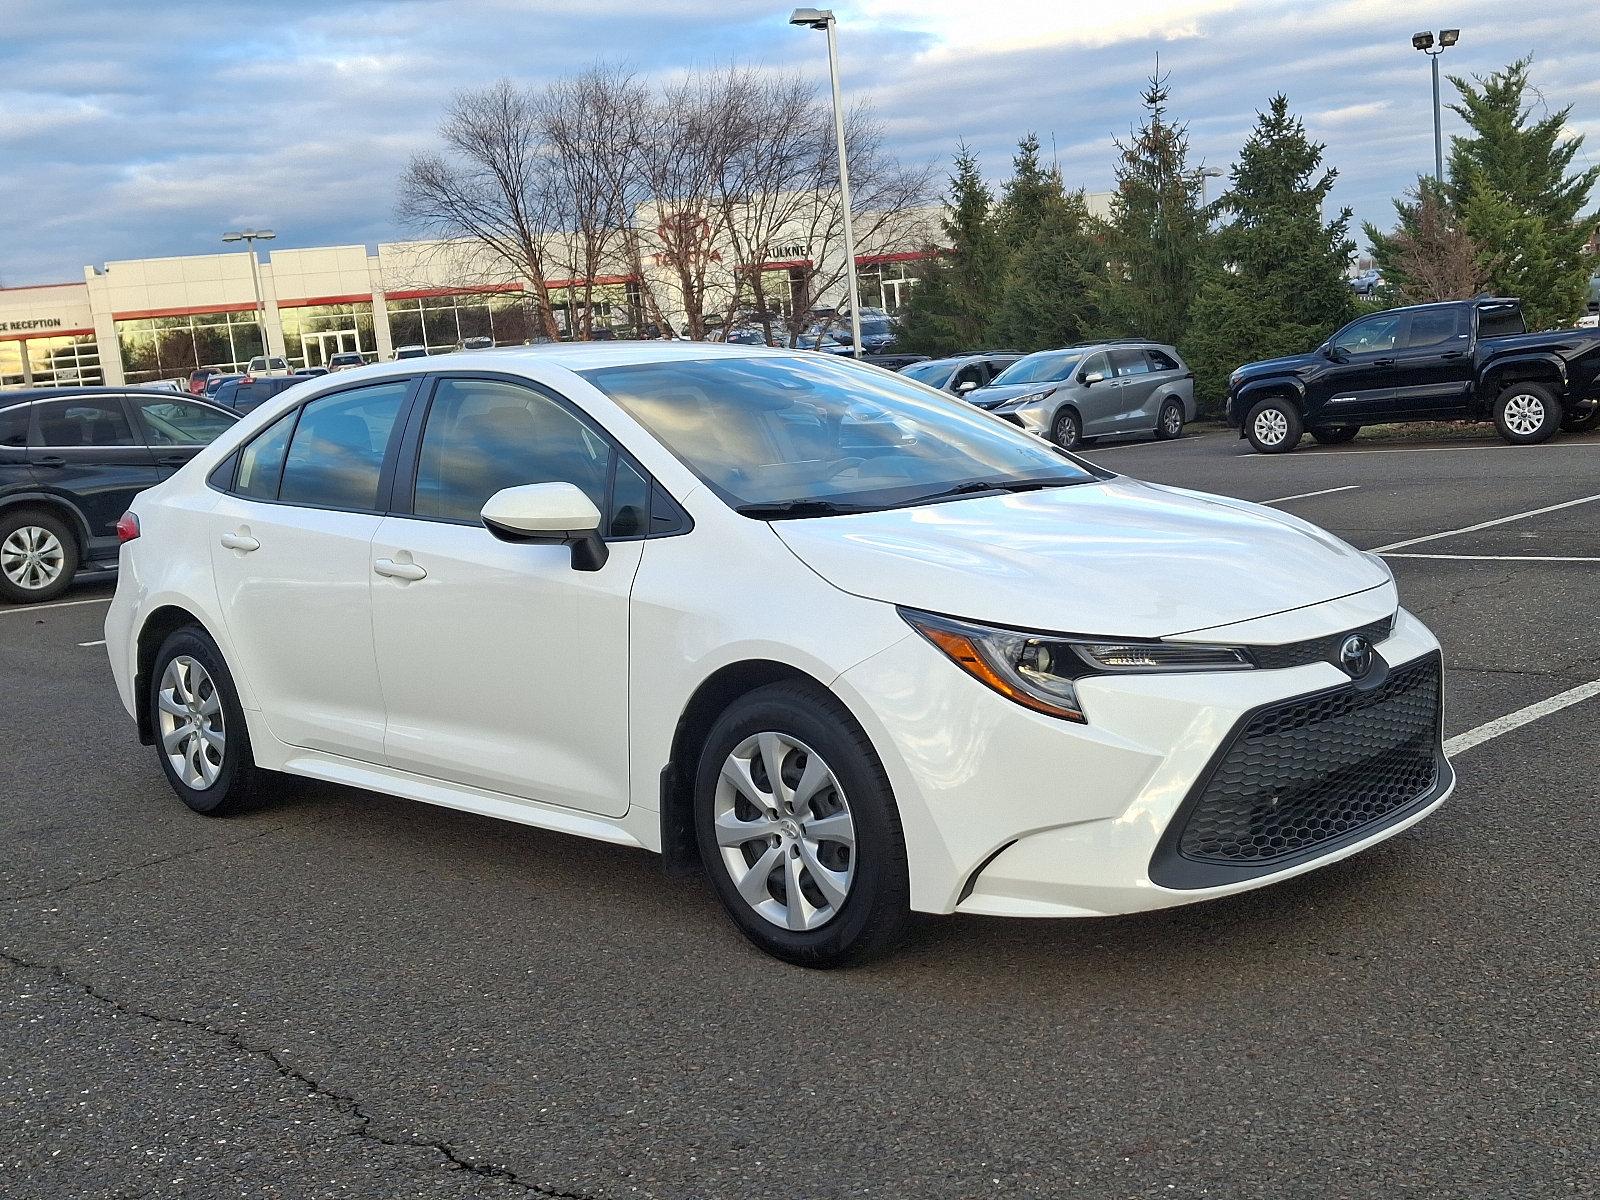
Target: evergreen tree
(1052, 279)
(1156, 236)
(953, 306)
(1279, 284)
(1512, 192)
(1030, 195)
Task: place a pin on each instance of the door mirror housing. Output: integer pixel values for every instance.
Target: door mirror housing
(549, 514)
(965, 386)
(1090, 378)
(1331, 352)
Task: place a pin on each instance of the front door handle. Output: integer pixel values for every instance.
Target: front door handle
(240, 541)
(1383, 362)
(391, 569)
(50, 460)
(173, 460)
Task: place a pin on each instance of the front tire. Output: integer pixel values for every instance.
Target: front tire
(1274, 426)
(1065, 430)
(1169, 425)
(38, 556)
(1527, 414)
(201, 739)
(798, 829)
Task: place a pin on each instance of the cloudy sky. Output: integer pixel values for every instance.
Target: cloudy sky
(138, 128)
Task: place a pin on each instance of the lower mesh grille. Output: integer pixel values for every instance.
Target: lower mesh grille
(1314, 771)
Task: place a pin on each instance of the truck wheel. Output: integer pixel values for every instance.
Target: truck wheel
(1274, 426)
(1581, 420)
(1527, 413)
(1335, 435)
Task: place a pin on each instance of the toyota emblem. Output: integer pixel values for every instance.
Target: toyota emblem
(1355, 656)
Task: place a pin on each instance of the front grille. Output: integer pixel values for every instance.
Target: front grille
(1306, 775)
(1321, 649)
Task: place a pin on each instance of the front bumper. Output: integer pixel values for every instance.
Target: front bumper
(1009, 812)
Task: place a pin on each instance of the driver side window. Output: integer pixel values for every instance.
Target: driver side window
(1375, 335)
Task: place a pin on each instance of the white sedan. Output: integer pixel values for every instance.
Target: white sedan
(857, 647)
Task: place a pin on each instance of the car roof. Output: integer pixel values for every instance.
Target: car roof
(19, 395)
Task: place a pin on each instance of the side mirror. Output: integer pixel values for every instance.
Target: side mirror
(1090, 378)
(965, 386)
(550, 514)
(1331, 352)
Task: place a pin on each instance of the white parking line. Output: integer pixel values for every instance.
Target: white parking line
(101, 642)
(31, 608)
(1444, 449)
(1533, 512)
(1500, 557)
(1349, 487)
(1493, 729)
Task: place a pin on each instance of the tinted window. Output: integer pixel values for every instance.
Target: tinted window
(1372, 336)
(14, 425)
(934, 374)
(1500, 320)
(1129, 362)
(1046, 367)
(972, 373)
(630, 502)
(1160, 361)
(179, 423)
(1099, 364)
(1434, 327)
(261, 462)
(779, 429)
(337, 453)
(84, 421)
(483, 435)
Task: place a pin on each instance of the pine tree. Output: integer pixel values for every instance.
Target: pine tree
(1512, 192)
(1029, 196)
(953, 306)
(1279, 284)
(1156, 236)
(1051, 280)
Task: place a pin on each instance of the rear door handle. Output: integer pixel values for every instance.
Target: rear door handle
(50, 460)
(391, 569)
(1452, 354)
(240, 541)
(1383, 362)
(173, 460)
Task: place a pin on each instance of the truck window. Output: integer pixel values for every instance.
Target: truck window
(1372, 336)
(1432, 328)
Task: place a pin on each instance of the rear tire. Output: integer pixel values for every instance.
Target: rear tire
(1169, 425)
(1274, 426)
(201, 739)
(1335, 435)
(1581, 420)
(1065, 431)
(838, 846)
(38, 555)
(1527, 414)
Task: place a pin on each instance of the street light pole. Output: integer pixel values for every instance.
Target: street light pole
(822, 18)
(1424, 41)
(250, 237)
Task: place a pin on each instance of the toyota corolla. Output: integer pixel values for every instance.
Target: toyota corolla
(855, 647)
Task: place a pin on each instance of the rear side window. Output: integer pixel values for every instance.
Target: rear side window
(85, 421)
(483, 435)
(336, 456)
(180, 423)
(261, 462)
(1436, 327)
(14, 426)
(1129, 362)
(1160, 361)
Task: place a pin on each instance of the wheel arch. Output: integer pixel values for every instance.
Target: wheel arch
(1547, 369)
(161, 623)
(715, 694)
(1276, 387)
(52, 503)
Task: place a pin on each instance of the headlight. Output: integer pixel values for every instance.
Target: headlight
(1039, 671)
(1030, 398)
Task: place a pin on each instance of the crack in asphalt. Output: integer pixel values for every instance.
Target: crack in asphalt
(1461, 592)
(345, 1105)
(191, 852)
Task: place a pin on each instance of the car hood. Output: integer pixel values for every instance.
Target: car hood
(1277, 366)
(997, 394)
(1120, 558)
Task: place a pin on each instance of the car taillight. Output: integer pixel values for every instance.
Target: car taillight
(127, 527)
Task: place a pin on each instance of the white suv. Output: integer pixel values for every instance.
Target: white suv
(860, 649)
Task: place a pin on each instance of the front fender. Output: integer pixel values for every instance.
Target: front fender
(1251, 391)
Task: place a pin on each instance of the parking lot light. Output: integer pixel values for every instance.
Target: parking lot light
(250, 237)
(1424, 41)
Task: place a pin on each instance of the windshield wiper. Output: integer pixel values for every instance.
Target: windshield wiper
(779, 510)
(980, 487)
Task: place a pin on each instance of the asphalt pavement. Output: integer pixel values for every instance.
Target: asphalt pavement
(339, 994)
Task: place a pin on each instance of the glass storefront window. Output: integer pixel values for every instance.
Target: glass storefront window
(444, 322)
(314, 334)
(155, 348)
(71, 361)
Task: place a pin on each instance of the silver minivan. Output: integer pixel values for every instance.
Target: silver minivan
(1081, 393)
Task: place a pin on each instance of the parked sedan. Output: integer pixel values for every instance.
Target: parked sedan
(859, 649)
(71, 461)
(1079, 394)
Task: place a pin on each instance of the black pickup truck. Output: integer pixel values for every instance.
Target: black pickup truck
(1464, 360)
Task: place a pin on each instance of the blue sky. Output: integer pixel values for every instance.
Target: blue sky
(130, 128)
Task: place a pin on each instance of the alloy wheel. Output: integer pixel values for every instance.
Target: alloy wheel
(1172, 421)
(1271, 427)
(1524, 414)
(32, 557)
(191, 721)
(784, 831)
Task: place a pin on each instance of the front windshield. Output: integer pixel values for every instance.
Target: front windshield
(802, 430)
(934, 374)
(1048, 367)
